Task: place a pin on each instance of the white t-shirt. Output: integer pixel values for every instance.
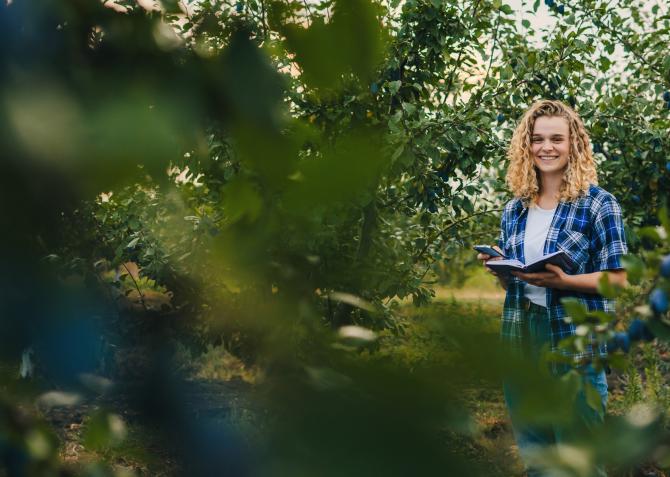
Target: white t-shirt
(537, 228)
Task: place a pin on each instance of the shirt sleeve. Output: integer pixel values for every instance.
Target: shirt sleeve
(503, 232)
(502, 238)
(609, 237)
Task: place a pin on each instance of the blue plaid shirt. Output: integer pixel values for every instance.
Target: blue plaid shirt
(591, 231)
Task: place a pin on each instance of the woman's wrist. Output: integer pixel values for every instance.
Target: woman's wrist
(569, 283)
(503, 283)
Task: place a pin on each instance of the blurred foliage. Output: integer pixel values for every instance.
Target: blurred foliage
(323, 160)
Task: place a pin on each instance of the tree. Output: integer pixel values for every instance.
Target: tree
(336, 149)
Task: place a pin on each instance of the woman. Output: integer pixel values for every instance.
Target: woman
(557, 205)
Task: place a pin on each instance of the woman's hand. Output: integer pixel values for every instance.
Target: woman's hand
(485, 256)
(554, 277)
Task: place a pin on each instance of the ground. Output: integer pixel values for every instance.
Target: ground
(220, 386)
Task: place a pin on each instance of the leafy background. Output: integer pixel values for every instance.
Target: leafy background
(253, 178)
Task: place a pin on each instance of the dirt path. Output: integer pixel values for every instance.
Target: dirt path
(143, 451)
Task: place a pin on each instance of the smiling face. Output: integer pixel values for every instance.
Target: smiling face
(550, 144)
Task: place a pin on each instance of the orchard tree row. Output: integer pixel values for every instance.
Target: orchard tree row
(323, 158)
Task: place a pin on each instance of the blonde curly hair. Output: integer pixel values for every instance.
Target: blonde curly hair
(522, 177)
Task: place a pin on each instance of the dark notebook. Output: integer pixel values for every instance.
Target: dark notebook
(504, 267)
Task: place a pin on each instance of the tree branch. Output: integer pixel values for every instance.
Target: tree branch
(430, 241)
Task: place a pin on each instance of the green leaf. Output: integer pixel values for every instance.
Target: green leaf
(650, 233)
(133, 242)
(536, 5)
(593, 398)
(605, 288)
(506, 9)
(660, 328)
(409, 108)
(345, 170)
(666, 65)
(506, 73)
(104, 430)
(399, 150)
(525, 23)
(170, 6)
(468, 206)
(532, 59)
(352, 300)
(664, 219)
(600, 316)
(575, 309)
(394, 86)
(40, 444)
(241, 201)
(618, 361)
(351, 42)
(635, 268)
(572, 383)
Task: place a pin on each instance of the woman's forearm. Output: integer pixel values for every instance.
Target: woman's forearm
(588, 282)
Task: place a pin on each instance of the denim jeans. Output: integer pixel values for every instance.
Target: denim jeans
(583, 417)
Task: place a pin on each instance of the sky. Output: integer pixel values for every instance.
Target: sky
(539, 20)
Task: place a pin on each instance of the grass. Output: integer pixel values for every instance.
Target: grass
(476, 307)
(479, 287)
(479, 304)
(140, 453)
(426, 339)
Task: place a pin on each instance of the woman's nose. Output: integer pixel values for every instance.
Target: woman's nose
(547, 147)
